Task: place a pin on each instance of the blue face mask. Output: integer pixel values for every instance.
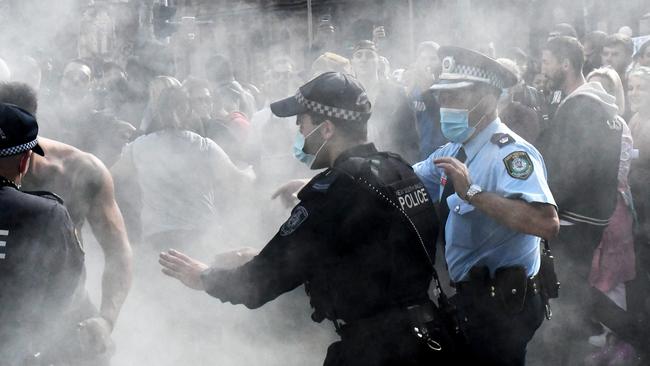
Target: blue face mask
(299, 145)
(454, 124)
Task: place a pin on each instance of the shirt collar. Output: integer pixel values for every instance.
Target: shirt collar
(476, 143)
(362, 150)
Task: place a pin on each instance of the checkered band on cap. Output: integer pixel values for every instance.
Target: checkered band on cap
(328, 110)
(453, 71)
(15, 150)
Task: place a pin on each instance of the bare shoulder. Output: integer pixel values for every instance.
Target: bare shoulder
(79, 166)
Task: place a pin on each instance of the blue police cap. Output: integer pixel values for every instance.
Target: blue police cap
(18, 131)
(332, 94)
(462, 67)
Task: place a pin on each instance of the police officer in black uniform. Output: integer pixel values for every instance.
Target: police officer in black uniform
(41, 261)
(361, 239)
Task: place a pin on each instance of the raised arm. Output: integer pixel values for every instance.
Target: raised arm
(534, 218)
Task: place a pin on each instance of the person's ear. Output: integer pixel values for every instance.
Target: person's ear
(490, 102)
(24, 162)
(566, 65)
(328, 129)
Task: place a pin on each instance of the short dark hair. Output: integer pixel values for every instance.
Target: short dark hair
(564, 29)
(567, 48)
(20, 94)
(355, 130)
(618, 39)
(597, 38)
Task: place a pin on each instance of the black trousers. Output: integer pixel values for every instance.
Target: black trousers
(388, 344)
(494, 336)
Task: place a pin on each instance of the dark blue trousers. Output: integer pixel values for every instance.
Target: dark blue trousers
(494, 336)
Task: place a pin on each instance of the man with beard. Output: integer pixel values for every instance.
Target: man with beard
(87, 190)
(617, 52)
(581, 147)
(361, 239)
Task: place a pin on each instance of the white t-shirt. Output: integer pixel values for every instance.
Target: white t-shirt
(185, 180)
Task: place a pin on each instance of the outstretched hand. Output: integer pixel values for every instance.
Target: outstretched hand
(288, 192)
(183, 268)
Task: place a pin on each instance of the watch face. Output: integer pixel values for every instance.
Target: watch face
(473, 190)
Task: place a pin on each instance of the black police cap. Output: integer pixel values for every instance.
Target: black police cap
(18, 131)
(462, 67)
(331, 94)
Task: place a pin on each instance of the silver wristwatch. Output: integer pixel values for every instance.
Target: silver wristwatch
(473, 190)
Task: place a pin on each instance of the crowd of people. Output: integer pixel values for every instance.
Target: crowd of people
(153, 162)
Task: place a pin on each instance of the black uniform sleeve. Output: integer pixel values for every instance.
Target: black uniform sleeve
(288, 259)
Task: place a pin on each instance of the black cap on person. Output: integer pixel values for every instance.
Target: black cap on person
(332, 94)
(18, 131)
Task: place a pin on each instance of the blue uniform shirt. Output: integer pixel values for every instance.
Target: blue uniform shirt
(498, 164)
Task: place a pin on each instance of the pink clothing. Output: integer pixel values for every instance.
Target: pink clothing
(614, 259)
(239, 125)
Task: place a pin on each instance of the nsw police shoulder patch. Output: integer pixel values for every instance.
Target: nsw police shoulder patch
(519, 165)
(298, 216)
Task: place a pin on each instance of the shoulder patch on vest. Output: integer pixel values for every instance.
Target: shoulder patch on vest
(502, 139)
(519, 165)
(298, 216)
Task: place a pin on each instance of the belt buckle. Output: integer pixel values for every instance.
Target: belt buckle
(422, 333)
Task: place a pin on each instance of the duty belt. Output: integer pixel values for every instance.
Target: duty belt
(510, 287)
(391, 318)
(490, 288)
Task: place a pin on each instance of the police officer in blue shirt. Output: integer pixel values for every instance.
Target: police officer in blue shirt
(492, 189)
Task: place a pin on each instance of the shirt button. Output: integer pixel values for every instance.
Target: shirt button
(457, 208)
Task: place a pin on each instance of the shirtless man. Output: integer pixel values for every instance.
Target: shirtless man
(86, 186)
